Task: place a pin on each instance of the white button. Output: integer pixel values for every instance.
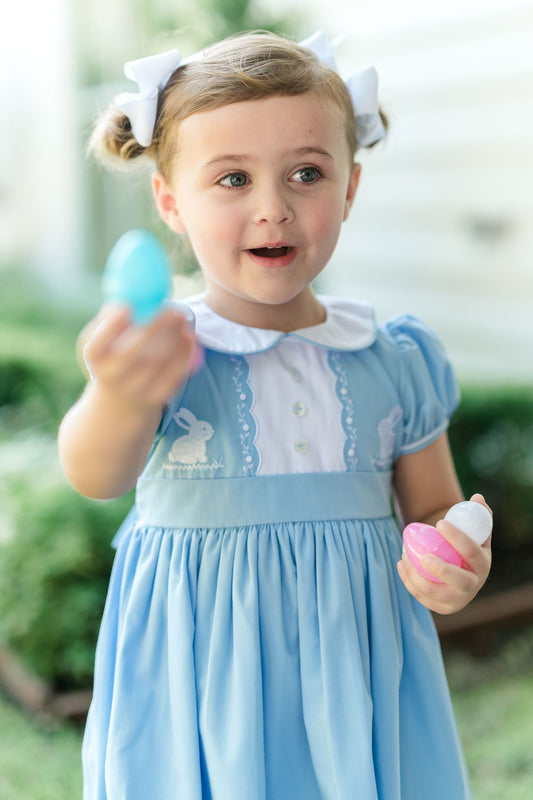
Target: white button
(301, 446)
(295, 374)
(300, 409)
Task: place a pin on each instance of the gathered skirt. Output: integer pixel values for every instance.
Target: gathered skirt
(271, 662)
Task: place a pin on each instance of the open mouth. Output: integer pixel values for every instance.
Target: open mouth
(271, 252)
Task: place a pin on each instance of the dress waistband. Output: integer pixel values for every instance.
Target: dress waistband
(232, 502)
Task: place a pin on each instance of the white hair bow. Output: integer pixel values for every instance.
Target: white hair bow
(153, 73)
(363, 88)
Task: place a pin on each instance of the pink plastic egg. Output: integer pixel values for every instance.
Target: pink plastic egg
(420, 539)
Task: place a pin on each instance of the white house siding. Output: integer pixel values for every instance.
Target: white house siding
(40, 186)
(443, 223)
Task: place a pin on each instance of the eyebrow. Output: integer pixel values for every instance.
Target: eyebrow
(239, 158)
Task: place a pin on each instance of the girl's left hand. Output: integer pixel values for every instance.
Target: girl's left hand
(459, 585)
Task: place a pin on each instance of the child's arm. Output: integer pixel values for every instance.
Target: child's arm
(105, 438)
(426, 487)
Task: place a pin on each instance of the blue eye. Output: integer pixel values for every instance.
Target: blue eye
(235, 180)
(307, 175)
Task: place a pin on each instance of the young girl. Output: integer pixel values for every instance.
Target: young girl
(263, 638)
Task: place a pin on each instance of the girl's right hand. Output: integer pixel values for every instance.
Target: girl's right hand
(141, 367)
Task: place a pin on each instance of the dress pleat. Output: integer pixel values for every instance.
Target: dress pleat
(295, 675)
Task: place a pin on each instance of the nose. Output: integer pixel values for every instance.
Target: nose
(273, 205)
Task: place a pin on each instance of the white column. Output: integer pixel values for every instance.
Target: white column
(39, 156)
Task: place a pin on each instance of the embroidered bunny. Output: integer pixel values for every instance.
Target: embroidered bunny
(387, 436)
(191, 448)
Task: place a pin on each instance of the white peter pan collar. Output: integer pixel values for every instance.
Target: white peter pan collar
(349, 325)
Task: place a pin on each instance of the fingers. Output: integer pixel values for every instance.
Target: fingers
(476, 558)
(100, 333)
(456, 589)
(478, 498)
(487, 544)
(464, 545)
(456, 586)
(141, 364)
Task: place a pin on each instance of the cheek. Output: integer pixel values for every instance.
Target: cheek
(326, 222)
(210, 227)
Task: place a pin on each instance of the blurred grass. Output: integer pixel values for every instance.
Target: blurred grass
(493, 700)
(496, 724)
(37, 763)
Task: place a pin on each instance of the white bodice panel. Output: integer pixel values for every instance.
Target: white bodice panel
(294, 412)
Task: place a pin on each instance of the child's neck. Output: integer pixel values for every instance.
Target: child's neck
(303, 311)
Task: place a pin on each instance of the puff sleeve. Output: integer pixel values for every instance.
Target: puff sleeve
(427, 385)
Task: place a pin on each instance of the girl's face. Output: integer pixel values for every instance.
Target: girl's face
(261, 188)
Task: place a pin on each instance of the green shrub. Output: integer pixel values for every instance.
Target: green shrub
(39, 375)
(492, 441)
(55, 560)
(55, 554)
(34, 394)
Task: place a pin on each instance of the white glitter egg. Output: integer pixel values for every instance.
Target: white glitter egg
(472, 518)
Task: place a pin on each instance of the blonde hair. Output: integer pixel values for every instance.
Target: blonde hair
(250, 66)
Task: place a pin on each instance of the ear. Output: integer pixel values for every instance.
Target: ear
(351, 191)
(166, 203)
(185, 418)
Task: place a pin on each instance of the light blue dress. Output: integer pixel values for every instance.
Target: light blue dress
(257, 642)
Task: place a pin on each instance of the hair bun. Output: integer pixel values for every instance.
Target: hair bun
(112, 140)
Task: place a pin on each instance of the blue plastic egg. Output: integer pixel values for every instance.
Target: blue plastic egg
(137, 274)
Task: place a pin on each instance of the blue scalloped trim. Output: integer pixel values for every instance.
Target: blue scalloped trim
(348, 410)
(247, 425)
